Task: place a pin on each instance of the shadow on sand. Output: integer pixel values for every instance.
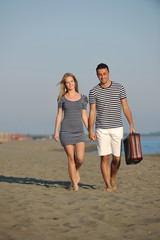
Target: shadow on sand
(44, 183)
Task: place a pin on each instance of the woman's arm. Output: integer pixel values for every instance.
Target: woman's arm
(85, 118)
(58, 121)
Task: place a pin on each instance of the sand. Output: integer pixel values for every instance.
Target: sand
(38, 203)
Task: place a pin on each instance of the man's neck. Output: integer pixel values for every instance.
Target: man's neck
(106, 85)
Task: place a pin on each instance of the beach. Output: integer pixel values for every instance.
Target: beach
(37, 201)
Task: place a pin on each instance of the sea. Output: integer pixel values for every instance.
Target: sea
(149, 145)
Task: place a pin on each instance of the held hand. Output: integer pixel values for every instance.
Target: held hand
(92, 136)
(56, 137)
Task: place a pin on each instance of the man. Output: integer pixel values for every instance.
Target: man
(106, 100)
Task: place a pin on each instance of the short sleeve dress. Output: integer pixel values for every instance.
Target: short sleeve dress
(71, 131)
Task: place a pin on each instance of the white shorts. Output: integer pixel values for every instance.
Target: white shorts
(109, 141)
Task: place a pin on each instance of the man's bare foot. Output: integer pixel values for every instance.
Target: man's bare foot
(114, 187)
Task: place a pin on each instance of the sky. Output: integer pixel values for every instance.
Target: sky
(42, 40)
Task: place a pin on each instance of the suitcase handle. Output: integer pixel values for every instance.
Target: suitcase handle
(133, 133)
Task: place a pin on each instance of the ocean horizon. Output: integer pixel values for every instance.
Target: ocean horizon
(149, 145)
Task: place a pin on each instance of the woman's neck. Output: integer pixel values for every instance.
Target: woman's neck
(71, 92)
(72, 95)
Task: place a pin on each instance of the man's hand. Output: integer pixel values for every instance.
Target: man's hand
(92, 136)
(132, 130)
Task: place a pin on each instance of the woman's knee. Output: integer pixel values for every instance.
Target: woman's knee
(80, 159)
(71, 159)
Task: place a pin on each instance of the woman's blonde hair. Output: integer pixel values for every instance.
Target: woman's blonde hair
(63, 88)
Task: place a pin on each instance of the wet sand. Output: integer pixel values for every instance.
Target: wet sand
(37, 201)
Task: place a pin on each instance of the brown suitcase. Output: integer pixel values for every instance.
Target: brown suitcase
(132, 148)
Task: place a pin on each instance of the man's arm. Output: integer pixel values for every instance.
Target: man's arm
(92, 114)
(128, 114)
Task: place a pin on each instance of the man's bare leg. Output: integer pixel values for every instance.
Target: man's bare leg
(114, 169)
(105, 169)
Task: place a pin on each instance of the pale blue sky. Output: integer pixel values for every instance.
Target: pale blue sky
(42, 40)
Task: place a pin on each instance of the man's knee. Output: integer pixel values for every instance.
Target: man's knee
(105, 158)
(116, 160)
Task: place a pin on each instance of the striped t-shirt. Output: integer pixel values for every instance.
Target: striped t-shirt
(108, 105)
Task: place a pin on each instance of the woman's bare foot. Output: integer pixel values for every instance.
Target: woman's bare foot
(107, 189)
(75, 188)
(77, 176)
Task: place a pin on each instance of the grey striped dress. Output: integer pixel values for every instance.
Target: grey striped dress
(71, 131)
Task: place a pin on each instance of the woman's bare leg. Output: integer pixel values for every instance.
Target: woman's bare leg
(79, 153)
(71, 165)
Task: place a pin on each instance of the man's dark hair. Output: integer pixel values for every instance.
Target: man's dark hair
(102, 66)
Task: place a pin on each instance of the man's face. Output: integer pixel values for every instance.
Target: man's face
(103, 75)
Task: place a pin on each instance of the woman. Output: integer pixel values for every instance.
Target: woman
(71, 133)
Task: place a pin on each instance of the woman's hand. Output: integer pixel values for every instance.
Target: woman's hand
(56, 137)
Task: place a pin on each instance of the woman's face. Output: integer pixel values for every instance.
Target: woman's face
(69, 82)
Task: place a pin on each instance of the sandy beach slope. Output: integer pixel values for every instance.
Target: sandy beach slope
(38, 203)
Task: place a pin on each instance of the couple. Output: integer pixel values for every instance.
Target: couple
(105, 101)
